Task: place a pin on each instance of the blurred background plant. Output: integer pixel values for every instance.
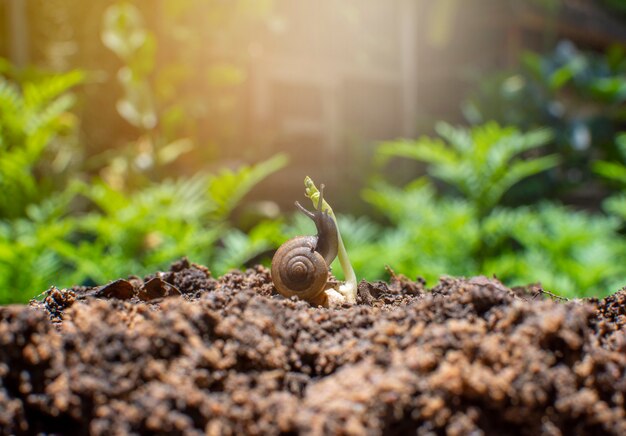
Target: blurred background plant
(37, 138)
(579, 94)
(127, 129)
(168, 93)
(614, 172)
(544, 242)
(57, 228)
(37, 161)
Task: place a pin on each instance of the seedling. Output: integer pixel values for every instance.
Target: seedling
(349, 289)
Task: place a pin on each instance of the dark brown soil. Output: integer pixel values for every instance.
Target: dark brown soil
(182, 352)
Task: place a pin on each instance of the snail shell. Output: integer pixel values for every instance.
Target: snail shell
(301, 265)
(297, 269)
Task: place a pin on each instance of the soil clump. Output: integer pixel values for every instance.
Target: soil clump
(182, 352)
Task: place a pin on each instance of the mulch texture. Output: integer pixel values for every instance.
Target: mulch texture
(181, 352)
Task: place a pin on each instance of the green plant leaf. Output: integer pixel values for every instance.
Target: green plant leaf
(611, 170)
(228, 187)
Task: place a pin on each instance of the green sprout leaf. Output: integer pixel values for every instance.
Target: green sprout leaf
(349, 289)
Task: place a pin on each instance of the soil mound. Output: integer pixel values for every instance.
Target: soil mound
(184, 353)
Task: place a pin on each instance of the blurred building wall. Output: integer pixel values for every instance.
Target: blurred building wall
(330, 79)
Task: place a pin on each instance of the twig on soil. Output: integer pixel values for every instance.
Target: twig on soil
(391, 272)
(541, 291)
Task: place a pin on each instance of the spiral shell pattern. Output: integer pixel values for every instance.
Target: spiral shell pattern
(299, 270)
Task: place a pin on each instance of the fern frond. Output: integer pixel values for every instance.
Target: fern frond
(10, 100)
(516, 172)
(433, 151)
(49, 114)
(460, 139)
(227, 188)
(39, 94)
(482, 163)
(237, 249)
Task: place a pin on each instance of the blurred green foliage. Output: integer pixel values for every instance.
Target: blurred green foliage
(66, 231)
(180, 89)
(35, 156)
(29, 249)
(70, 219)
(136, 232)
(615, 173)
(35, 126)
(65, 220)
(466, 230)
(124, 34)
(578, 94)
(617, 5)
(462, 227)
(58, 229)
(483, 164)
(459, 220)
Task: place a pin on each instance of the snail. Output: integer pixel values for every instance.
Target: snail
(301, 265)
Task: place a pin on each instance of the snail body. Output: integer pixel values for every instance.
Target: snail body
(301, 265)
